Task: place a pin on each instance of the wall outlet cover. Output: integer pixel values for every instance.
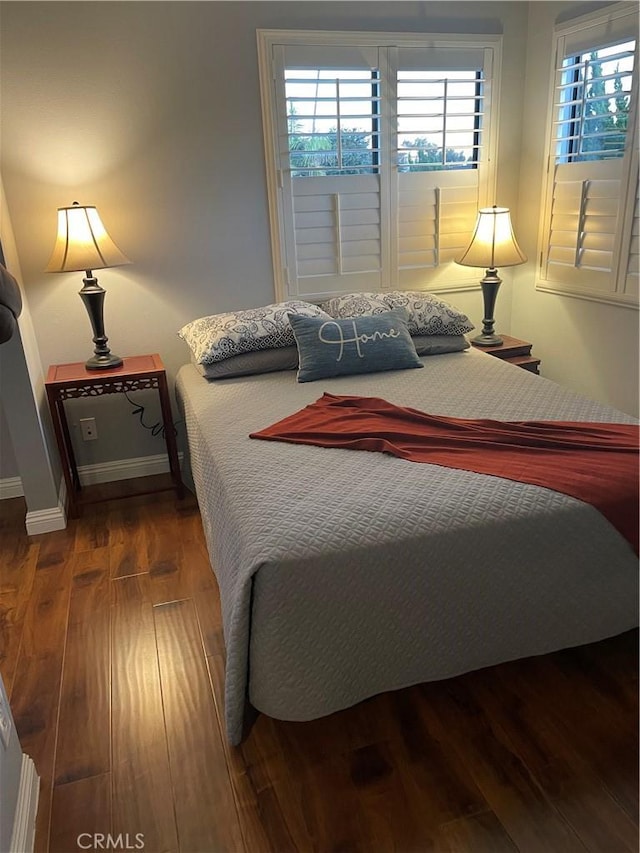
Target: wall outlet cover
(88, 429)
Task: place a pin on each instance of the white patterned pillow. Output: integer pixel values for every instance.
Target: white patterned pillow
(222, 336)
(350, 305)
(428, 315)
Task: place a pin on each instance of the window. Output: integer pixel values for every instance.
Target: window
(590, 221)
(378, 157)
(439, 120)
(594, 98)
(333, 121)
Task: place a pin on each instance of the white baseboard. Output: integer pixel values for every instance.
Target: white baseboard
(11, 487)
(103, 472)
(24, 821)
(48, 520)
(124, 469)
(55, 518)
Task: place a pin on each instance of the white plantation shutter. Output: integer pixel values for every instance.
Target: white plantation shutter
(586, 234)
(336, 240)
(395, 206)
(632, 280)
(585, 218)
(442, 103)
(436, 215)
(332, 207)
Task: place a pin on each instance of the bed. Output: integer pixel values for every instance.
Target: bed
(344, 574)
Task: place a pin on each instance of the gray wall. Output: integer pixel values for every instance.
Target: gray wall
(8, 464)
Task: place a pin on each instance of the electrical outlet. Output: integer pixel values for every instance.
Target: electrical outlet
(88, 429)
(5, 720)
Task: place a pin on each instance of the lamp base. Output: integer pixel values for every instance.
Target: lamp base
(487, 341)
(93, 297)
(103, 362)
(490, 285)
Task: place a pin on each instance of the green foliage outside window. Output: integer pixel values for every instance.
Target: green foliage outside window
(605, 118)
(317, 155)
(594, 125)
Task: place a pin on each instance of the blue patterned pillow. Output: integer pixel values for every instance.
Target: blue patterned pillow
(358, 345)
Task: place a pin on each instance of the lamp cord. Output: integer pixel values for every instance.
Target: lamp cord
(157, 428)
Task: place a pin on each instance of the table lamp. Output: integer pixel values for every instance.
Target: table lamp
(83, 244)
(493, 245)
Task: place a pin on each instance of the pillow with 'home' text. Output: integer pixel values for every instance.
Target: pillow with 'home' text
(358, 345)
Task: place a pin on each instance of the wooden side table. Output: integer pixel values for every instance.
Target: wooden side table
(138, 372)
(515, 352)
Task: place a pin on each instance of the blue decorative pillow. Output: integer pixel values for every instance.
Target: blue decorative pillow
(358, 345)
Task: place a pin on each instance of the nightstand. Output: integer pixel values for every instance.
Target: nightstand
(515, 352)
(68, 381)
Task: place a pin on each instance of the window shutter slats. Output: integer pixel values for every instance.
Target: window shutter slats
(361, 264)
(314, 236)
(315, 251)
(592, 260)
(436, 216)
(357, 218)
(418, 243)
(336, 232)
(417, 222)
(584, 220)
(448, 254)
(313, 268)
(566, 222)
(632, 281)
(561, 253)
(454, 242)
(359, 248)
(602, 242)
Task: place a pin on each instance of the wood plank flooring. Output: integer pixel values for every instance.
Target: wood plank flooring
(111, 651)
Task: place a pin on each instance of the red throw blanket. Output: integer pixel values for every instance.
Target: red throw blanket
(594, 462)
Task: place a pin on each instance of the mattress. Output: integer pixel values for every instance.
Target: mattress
(344, 574)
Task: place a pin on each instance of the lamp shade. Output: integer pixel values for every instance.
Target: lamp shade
(82, 242)
(493, 243)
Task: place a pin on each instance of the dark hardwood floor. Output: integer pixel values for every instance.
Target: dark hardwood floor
(112, 653)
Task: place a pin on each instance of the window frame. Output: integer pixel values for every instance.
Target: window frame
(269, 40)
(612, 25)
